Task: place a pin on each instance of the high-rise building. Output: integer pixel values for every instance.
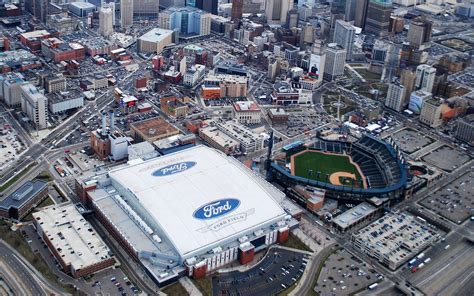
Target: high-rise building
(350, 11)
(360, 14)
(378, 17)
(237, 10)
(106, 27)
(344, 34)
(335, 61)
(170, 3)
(186, 20)
(10, 89)
(408, 79)
(38, 8)
(206, 5)
(277, 10)
(465, 129)
(419, 32)
(35, 105)
(338, 7)
(292, 19)
(307, 33)
(126, 13)
(146, 7)
(396, 95)
(416, 100)
(431, 112)
(425, 77)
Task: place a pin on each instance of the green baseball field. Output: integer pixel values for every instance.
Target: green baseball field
(340, 168)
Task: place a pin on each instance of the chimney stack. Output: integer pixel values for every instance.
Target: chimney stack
(111, 119)
(104, 123)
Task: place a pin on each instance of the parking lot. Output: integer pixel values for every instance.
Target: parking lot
(303, 120)
(410, 140)
(446, 158)
(279, 270)
(11, 144)
(454, 201)
(344, 274)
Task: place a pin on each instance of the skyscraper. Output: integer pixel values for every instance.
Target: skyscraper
(126, 13)
(237, 10)
(146, 7)
(185, 20)
(350, 11)
(396, 97)
(292, 19)
(277, 10)
(206, 5)
(360, 14)
(105, 21)
(378, 17)
(344, 36)
(335, 61)
(425, 77)
(419, 32)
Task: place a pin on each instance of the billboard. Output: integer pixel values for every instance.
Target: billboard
(314, 66)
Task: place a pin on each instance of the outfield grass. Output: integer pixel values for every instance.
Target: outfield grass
(308, 164)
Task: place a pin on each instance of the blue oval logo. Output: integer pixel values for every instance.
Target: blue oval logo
(174, 168)
(216, 208)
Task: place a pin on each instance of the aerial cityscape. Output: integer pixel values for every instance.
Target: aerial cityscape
(237, 147)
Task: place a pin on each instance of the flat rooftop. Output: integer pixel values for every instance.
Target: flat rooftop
(72, 236)
(23, 194)
(156, 35)
(199, 197)
(153, 127)
(354, 215)
(246, 106)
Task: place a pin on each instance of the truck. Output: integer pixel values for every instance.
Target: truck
(373, 286)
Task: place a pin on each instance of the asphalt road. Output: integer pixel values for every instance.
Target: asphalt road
(21, 271)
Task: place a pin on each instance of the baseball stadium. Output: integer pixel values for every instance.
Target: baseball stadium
(351, 171)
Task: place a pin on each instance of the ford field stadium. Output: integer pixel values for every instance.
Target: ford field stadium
(351, 171)
(189, 212)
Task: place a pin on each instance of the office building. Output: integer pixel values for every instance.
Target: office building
(35, 105)
(206, 5)
(408, 79)
(81, 9)
(63, 101)
(396, 95)
(335, 61)
(155, 40)
(224, 86)
(146, 7)
(431, 112)
(378, 17)
(188, 21)
(344, 34)
(465, 129)
(292, 19)
(425, 77)
(419, 32)
(10, 89)
(23, 200)
(126, 13)
(106, 25)
(246, 112)
(416, 100)
(350, 10)
(54, 83)
(237, 10)
(277, 10)
(360, 14)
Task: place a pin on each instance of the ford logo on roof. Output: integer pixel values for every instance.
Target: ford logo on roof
(216, 208)
(174, 168)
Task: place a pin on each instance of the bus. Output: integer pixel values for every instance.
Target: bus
(412, 262)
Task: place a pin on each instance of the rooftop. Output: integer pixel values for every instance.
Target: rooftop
(246, 106)
(354, 215)
(72, 236)
(23, 194)
(153, 127)
(176, 190)
(156, 35)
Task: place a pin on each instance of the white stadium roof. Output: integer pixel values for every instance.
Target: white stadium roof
(175, 189)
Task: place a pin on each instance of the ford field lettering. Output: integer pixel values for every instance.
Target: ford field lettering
(174, 168)
(216, 208)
